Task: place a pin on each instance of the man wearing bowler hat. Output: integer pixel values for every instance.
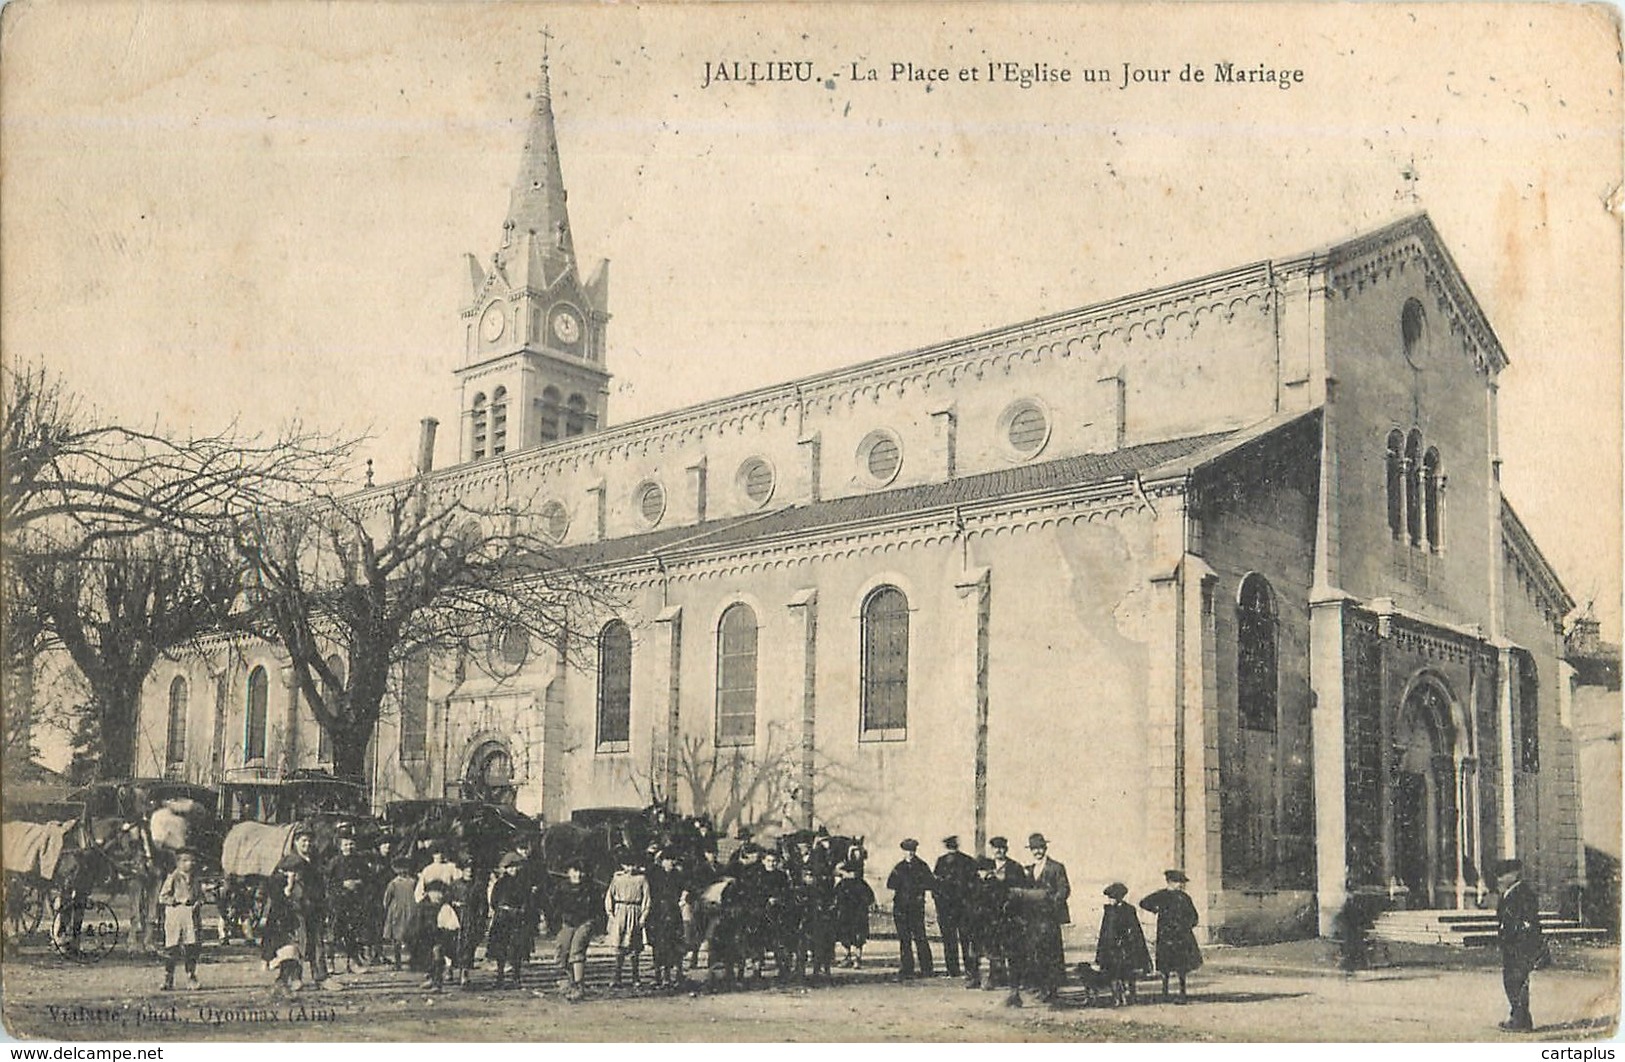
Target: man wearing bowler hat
(1048, 916)
(1523, 948)
(910, 880)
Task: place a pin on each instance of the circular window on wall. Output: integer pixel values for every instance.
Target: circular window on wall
(515, 646)
(555, 521)
(651, 499)
(880, 457)
(1413, 332)
(755, 481)
(1024, 427)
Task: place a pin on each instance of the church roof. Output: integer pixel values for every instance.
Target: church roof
(880, 506)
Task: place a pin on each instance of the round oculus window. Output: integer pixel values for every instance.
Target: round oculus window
(880, 457)
(651, 502)
(1025, 427)
(555, 521)
(756, 481)
(515, 646)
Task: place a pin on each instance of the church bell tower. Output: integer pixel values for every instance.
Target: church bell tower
(533, 364)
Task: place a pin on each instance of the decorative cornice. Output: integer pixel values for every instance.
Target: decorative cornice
(1369, 260)
(1534, 571)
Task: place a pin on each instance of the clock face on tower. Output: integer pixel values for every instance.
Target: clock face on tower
(566, 326)
(492, 323)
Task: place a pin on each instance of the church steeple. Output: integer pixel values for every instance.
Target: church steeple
(534, 326)
(538, 222)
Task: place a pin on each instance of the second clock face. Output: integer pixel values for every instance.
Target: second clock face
(566, 326)
(492, 324)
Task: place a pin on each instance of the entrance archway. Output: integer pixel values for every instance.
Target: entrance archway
(1423, 803)
(490, 774)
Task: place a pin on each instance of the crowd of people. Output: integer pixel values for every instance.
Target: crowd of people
(1008, 915)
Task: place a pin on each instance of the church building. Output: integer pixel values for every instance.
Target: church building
(1217, 576)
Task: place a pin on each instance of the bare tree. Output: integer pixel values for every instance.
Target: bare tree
(385, 579)
(747, 787)
(117, 541)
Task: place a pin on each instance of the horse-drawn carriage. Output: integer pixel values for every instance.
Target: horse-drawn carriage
(263, 814)
(109, 838)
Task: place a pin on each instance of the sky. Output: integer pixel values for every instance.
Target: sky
(255, 213)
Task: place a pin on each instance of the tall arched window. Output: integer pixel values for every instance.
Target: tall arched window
(575, 417)
(1528, 714)
(885, 663)
(1413, 487)
(1396, 483)
(259, 691)
(324, 740)
(1431, 512)
(1256, 670)
(499, 421)
(614, 687)
(414, 746)
(479, 416)
(175, 754)
(552, 408)
(736, 676)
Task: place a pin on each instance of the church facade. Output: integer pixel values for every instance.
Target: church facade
(1217, 576)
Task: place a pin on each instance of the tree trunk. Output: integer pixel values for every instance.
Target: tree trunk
(350, 753)
(118, 701)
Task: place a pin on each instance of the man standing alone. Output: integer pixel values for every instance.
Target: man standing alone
(910, 880)
(1523, 949)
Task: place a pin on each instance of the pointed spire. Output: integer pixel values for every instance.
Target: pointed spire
(537, 217)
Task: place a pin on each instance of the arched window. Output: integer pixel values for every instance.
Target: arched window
(736, 676)
(479, 416)
(324, 740)
(552, 408)
(575, 417)
(175, 754)
(1430, 496)
(1528, 714)
(499, 421)
(885, 663)
(1396, 483)
(1256, 670)
(614, 687)
(259, 691)
(1413, 487)
(414, 745)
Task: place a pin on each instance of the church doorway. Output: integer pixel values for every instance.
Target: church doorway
(1422, 800)
(490, 775)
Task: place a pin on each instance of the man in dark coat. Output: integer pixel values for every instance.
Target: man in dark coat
(1007, 932)
(1046, 919)
(1523, 948)
(347, 875)
(1177, 952)
(910, 880)
(955, 875)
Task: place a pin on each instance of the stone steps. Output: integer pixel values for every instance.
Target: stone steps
(1467, 928)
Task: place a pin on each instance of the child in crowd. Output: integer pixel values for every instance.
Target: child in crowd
(626, 902)
(853, 898)
(439, 925)
(510, 896)
(181, 897)
(400, 907)
(577, 905)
